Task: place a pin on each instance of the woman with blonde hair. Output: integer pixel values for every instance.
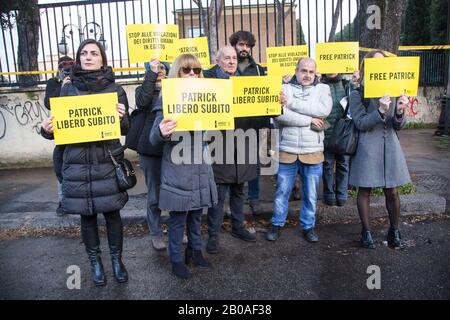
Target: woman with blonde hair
(186, 188)
(379, 160)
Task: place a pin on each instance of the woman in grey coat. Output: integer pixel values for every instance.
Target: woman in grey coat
(379, 160)
(186, 188)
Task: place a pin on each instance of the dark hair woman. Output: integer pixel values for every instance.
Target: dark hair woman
(379, 160)
(89, 184)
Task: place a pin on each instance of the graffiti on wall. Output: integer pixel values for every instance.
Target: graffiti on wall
(27, 113)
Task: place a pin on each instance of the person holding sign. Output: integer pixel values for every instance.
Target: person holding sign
(149, 155)
(89, 182)
(335, 184)
(379, 160)
(186, 188)
(232, 176)
(306, 103)
(243, 42)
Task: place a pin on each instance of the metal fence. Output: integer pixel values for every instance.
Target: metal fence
(64, 25)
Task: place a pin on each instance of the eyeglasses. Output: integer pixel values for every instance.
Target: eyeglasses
(187, 70)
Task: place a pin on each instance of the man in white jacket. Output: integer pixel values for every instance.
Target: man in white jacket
(306, 104)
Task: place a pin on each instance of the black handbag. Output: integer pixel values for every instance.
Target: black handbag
(344, 138)
(137, 121)
(126, 177)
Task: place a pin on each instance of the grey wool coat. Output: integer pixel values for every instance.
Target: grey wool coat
(184, 187)
(379, 160)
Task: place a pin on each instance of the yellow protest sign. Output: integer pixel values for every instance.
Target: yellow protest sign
(391, 76)
(147, 41)
(86, 118)
(198, 104)
(283, 60)
(337, 57)
(198, 47)
(256, 96)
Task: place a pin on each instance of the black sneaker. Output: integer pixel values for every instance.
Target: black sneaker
(179, 269)
(341, 203)
(394, 239)
(211, 246)
(59, 210)
(366, 240)
(330, 203)
(310, 235)
(243, 234)
(273, 234)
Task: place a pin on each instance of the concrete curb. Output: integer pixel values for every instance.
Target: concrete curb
(417, 204)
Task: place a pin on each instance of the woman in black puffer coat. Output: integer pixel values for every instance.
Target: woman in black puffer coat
(89, 183)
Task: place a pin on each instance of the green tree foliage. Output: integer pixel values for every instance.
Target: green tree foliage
(300, 34)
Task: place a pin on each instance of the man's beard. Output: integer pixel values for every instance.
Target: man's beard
(241, 58)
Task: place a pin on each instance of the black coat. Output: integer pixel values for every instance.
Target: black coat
(89, 182)
(247, 171)
(142, 118)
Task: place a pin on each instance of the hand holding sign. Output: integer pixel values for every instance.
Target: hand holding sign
(154, 64)
(385, 102)
(167, 127)
(401, 105)
(283, 98)
(121, 110)
(47, 125)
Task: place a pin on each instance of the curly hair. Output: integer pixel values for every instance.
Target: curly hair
(242, 36)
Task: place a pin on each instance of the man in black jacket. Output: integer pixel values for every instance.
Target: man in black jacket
(231, 176)
(243, 42)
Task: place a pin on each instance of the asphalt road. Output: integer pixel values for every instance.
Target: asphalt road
(290, 268)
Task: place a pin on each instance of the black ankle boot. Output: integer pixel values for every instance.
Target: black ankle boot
(366, 240)
(179, 269)
(395, 240)
(197, 258)
(115, 241)
(97, 271)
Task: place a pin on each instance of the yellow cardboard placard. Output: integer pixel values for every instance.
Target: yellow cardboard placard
(86, 118)
(198, 104)
(147, 41)
(337, 57)
(256, 96)
(198, 47)
(391, 76)
(283, 60)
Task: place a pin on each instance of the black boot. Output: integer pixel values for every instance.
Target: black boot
(115, 241)
(366, 240)
(179, 269)
(197, 257)
(395, 240)
(89, 233)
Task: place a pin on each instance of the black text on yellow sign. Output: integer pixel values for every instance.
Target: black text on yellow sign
(256, 96)
(391, 76)
(198, 104)
(85, 118)
(337, 57)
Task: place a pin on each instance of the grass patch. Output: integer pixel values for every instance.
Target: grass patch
(409, 188)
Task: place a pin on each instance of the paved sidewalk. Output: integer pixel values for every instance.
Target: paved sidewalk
(28, 196)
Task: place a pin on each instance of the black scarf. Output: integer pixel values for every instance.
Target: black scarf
(92, 80)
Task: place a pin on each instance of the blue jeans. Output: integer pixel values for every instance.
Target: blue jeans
(253, 186)
(177, 222)
(310, 175)
(152, 172)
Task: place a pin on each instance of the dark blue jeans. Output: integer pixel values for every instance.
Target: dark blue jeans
(215, 214)
(152, 172)
(335, 188)
(177, 223)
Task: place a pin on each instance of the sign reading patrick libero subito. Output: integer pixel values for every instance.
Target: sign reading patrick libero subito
(256, 96)
(86, 118)
(198, 104)
(391, 76)
(196, 46)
